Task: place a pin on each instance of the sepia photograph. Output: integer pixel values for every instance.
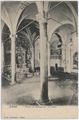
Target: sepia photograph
(39, 56)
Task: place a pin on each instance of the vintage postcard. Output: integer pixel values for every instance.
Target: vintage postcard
(39, 59)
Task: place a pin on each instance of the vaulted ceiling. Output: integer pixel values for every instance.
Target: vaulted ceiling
(16, 13)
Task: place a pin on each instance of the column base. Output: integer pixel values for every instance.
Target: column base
(12, 83)
(46, 102)
(49, 76)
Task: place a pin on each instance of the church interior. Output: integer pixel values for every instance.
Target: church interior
(39, 52)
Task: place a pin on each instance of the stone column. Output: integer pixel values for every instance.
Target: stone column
(74, 47)
(33, 58)
(2, 57)
(43, 59)
(68, 58)
(49, 59)
(13, 58)
(71, 60)
(65, 52)
(63, 56)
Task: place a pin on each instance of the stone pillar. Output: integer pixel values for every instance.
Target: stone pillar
(49, 60)
(65, 52)
(71, 60)
(2, 57)
(69, 53)
(68, 58)
(43, 59)
(33, 58)
(74, 48)
(64, 57)
(13, 58)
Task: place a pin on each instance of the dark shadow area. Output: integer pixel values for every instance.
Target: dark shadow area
(65, 75)
(29, 100)
(65, 101)
(5, 82)
(25, 100)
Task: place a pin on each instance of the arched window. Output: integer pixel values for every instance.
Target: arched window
(56, 47)
(7, 45)
(75, 60)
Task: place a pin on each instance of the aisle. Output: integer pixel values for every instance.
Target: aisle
(27, 92)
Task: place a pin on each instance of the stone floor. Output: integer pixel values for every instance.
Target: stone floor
(61, 92)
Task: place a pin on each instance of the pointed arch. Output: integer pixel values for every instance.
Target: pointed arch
(20, 19)
(72, 9)
(5, 33)
(68, 3)
(58, 26)
(2, 19)
(5, 16)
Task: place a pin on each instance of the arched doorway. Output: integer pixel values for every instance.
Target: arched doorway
(6, 55)
(27, 34)
(56, 52)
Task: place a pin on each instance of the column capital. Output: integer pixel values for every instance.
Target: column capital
(41, 19)
(13, 35)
